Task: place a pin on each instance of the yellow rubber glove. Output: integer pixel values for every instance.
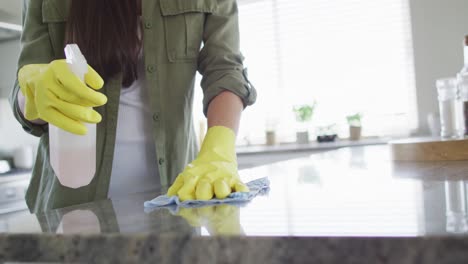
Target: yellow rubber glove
(56, 95)
(213, 172)
(221, 219)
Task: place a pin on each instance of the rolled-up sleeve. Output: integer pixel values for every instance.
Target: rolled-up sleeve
(220, 61)
(35, 48)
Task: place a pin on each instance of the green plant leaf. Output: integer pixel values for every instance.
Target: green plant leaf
(355, 119)
(304, 113)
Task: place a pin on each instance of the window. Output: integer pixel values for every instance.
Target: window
(347, 55)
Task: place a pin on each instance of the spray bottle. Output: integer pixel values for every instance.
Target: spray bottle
(73, 157)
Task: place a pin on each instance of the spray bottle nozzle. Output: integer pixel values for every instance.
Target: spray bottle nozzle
(76, 60)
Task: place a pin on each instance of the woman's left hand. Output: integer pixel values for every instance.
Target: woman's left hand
(214, 172)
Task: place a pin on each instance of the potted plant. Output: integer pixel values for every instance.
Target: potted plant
(304, 115)
(355, 126)
(270, 131)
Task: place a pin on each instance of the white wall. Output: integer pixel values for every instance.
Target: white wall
(11, 133)
(438, 30)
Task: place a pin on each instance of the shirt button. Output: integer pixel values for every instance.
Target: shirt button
(161, 161)
(148, 25)
(156, 117)
(150, 68)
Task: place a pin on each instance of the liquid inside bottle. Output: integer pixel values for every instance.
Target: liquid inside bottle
(73, 157)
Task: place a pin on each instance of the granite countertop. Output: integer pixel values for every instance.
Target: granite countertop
(351, 205)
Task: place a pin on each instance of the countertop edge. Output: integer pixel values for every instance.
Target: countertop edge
(153, 248)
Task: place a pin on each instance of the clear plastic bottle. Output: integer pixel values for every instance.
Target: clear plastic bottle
(73, 157)
(462, 80)
(448, 107)
(464, 70)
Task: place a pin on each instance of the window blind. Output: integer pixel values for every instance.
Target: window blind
(346, 55)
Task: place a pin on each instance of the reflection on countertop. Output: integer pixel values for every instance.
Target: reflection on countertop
(337, 200)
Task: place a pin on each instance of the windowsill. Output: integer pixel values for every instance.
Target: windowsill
(312, 146)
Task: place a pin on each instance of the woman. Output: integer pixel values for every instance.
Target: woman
(143, 58)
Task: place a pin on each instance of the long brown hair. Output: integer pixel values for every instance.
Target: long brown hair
(107, 33)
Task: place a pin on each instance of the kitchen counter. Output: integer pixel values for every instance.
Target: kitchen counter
(308, 147)
(256, 155)
(351, 205)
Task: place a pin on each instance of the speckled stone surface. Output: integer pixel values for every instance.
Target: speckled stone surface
(151, 248)
(351, 205)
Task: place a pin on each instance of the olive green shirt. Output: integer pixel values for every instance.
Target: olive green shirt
(173, 33)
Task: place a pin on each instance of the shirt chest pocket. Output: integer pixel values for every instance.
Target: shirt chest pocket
(55, 14)
(183, 27)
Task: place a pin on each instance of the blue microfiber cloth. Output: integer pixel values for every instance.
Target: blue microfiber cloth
(258, 186)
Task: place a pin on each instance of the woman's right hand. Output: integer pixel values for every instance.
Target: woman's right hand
(56, 95)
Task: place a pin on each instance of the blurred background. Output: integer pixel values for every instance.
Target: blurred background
(320, 66)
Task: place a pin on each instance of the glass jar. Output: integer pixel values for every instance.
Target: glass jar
(447, 97)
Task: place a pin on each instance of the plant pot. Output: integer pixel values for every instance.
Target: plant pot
(302, 137)
(270, 138)
(354, 132)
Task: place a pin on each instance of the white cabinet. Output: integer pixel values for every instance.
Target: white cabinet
(12, 192)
